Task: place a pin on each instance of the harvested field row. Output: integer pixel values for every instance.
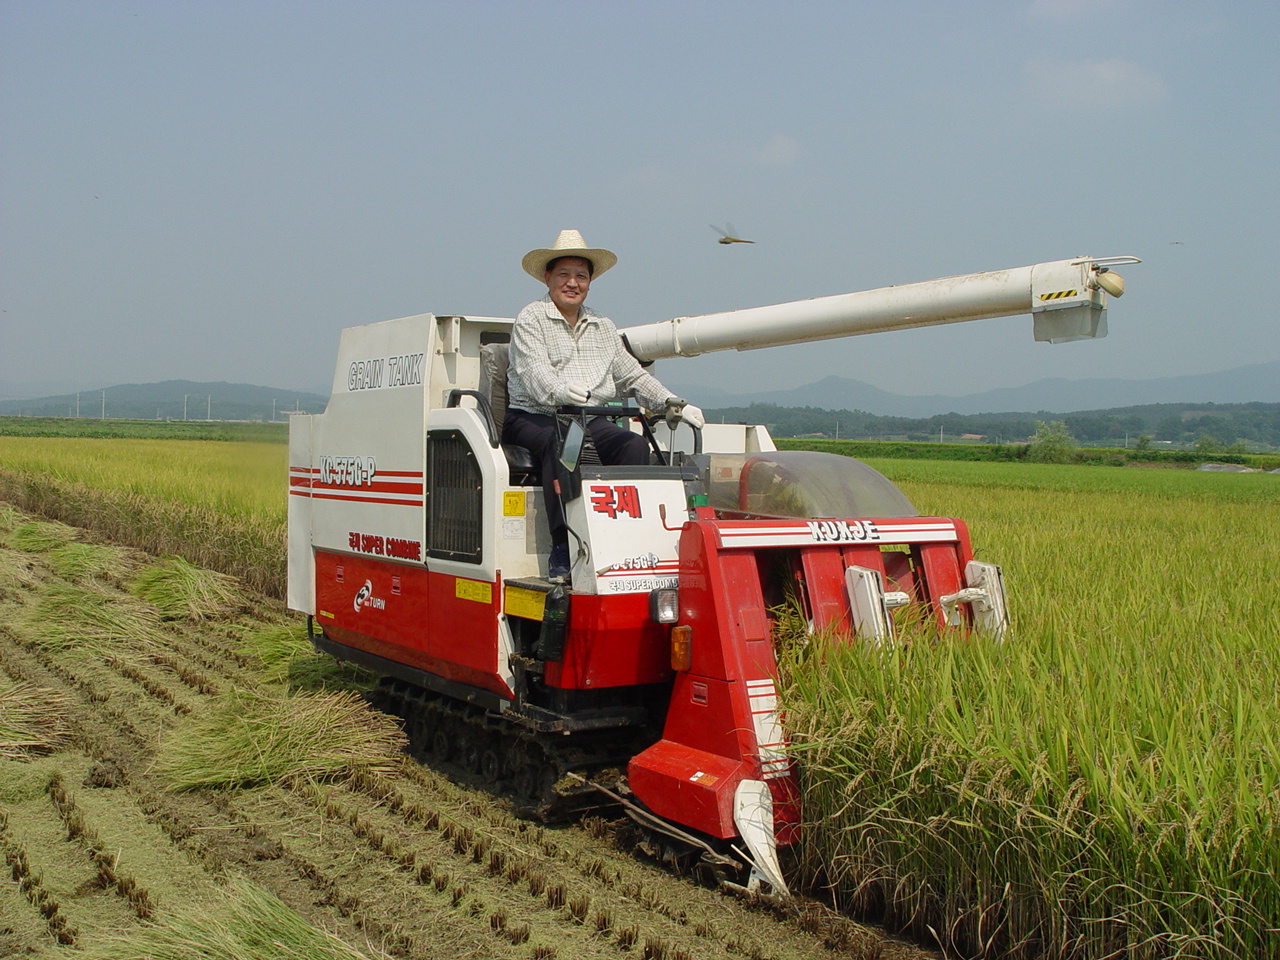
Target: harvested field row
(371, 856)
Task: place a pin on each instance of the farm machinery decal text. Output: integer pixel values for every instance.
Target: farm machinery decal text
(356, 480)
(347, 471)
(401, 371)
(647, 561)
(843, 531)
(365, 598)
(615, 500)
(395, 547)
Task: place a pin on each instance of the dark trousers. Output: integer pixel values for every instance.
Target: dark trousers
(536, 432)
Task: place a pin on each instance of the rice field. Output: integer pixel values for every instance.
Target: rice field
(179, 780)
(1104, 784)
(241, 481)
(219, 505)
(1107, 781)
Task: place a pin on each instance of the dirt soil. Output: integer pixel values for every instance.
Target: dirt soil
(412, 865)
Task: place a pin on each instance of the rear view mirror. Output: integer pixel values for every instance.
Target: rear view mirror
(572, 448)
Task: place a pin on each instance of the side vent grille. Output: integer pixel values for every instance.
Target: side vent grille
(454, 524)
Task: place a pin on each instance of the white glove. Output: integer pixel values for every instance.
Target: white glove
(576, 394)
(693, 416)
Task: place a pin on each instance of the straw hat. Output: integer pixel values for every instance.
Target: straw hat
(568, 244)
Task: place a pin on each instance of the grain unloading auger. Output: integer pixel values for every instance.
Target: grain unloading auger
(418, 548)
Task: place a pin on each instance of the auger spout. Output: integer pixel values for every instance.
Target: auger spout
(1067, 299)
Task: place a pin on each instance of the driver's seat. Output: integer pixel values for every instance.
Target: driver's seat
(494, 360)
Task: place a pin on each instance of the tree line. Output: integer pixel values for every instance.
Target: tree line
(1179, 423)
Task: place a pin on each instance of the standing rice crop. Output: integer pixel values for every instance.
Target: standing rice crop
(1106, 783)
(218, 505)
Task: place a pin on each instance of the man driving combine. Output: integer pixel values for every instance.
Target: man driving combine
(564, 353)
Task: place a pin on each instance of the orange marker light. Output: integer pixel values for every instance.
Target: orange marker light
(681, 647)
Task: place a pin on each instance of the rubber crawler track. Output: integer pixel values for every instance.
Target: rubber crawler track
(531, 769)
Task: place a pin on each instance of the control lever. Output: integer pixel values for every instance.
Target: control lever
(674, 409)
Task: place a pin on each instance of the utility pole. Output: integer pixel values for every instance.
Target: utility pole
(77, 406)
(104, 404)
(208, 407)
(184, 406)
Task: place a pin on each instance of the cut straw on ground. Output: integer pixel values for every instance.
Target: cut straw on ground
(256, 738)
(37, 536)
(32, 720)
(72, 615)
(89, 561)
(251, 924)
(180, 589)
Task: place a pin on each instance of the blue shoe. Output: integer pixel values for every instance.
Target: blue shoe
(559, 562)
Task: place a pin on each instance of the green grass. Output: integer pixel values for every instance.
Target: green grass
(9, 517)
(287, 657)
(1014, 453)
(276, 647)
(1193, 485)
(89, 561)
(37, 536)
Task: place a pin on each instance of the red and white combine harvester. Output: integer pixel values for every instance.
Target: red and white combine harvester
(418, 548)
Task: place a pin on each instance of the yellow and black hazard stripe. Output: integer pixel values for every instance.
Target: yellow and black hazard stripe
(1060, 295)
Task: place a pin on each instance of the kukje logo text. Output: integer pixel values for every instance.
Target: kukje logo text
(843, 531)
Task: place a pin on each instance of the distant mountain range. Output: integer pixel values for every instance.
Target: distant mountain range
(185, 399)
(1256, 383)
(172, 400)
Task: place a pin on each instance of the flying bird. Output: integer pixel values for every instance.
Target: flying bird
(729, 236)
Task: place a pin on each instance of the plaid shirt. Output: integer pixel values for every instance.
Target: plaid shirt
(546, 356)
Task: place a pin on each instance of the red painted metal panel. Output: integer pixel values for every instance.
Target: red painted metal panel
(463, 623)
(824, 584)
(612, 642)
(412, 616)
(942, 573)
(702, 711)
(688, 786)
(355, 593)
(723, 712)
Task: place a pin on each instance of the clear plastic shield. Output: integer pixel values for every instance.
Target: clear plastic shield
(801, 484)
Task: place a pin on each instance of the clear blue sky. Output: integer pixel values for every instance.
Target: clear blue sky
(212, 190)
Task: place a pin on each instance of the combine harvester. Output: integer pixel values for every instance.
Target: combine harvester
(418, 548)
